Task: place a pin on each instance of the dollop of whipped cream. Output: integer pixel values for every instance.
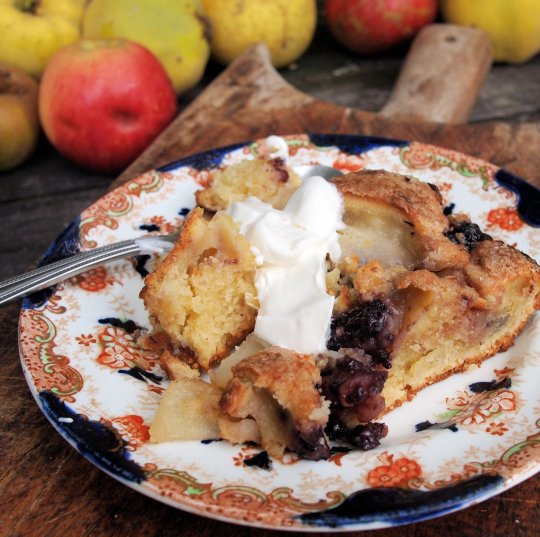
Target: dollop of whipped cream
(277, 146)
(291, 246)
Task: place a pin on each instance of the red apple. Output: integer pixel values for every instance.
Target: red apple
(373, 26)
(102, 101)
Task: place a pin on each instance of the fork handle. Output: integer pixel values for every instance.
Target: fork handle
(48, 275)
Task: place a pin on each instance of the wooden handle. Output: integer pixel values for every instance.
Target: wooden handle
(442, 75)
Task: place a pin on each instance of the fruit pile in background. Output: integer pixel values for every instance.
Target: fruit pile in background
(514, 27)
(368, 27)
(110, 72)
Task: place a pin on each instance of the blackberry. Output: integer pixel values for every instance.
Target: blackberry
(352, 385)
(358, 325)
(370, 326)
(366, 436)
(467, 234)
(352, 381)
(311, 444)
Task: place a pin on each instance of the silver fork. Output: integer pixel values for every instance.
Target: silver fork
(55, 272)
(47, 275)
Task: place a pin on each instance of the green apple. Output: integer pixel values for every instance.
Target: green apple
(174, 31)
(19, 126)
(33, 30)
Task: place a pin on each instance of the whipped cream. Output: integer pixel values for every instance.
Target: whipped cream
(291, 248)
(277, 146)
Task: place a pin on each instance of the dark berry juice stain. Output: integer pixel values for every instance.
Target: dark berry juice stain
(261, 460)
(97, 441)
(140, 264)
(140, 374)
(210, 440)
(449, 209)
(479, 387)
(403, 506)
(336, 450)
(184, 211)
(424, 425)
(129, 326)
(149, 227)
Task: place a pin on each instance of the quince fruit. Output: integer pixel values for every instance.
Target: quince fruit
(31, 31)
(513, 27)
(19, 125)
(285, 26)
(174, 31)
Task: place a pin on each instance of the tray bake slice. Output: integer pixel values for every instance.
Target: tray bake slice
(429, 305)
(419, 295)
(202, 298)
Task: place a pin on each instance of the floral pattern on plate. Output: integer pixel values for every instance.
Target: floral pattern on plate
(458, 442)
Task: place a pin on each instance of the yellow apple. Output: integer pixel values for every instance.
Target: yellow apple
(285, 26)
(174, 31)
(19, 126)
(31, 31)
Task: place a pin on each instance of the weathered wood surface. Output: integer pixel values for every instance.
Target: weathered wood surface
(46, 488)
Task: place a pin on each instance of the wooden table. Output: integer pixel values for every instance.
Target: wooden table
(46, 487)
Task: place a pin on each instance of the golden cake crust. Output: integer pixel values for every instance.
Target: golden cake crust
(480, 308)
(278, 388)
(289, 376)
(417, 204)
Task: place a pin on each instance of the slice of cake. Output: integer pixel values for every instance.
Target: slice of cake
(202, 296)
(278, 388)
(267, 179)
(434, 303)
(417, 296)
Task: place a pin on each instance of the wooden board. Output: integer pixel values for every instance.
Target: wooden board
(251, 100)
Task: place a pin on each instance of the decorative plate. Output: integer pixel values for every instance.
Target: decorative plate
(457, 443)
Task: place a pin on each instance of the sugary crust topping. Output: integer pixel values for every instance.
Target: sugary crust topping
(289, 376)
(494, 264)
(279, 389)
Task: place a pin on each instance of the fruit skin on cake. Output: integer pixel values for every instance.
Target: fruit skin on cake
(33, 30)
(285, 26)
(513, 27)
(101, 102)
(174, 31)
(19, 124)
(369, 27)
